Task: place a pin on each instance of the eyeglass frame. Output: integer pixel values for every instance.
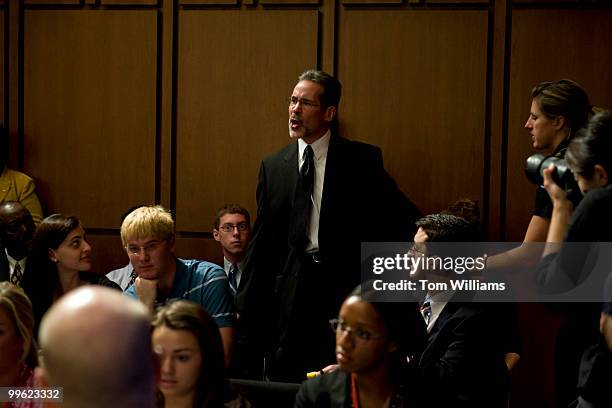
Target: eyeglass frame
(228, 228)
(147, 249)
(305, 103)
(355, 334)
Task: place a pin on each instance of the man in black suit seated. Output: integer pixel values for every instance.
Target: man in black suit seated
(16, 231)
(462, 364)
(317, 200)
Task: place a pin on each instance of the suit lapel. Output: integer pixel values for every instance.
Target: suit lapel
(4, 266)
(291, 170)
(331, 183)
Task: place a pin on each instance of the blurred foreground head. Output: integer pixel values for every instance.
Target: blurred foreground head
(96, 344)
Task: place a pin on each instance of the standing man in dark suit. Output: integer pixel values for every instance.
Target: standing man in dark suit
(318, 199)
(16, 231)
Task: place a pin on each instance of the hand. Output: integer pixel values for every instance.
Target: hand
(558, 196)
(330, 368)
(420, 236)
(146, 289)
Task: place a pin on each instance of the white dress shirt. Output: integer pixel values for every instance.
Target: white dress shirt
(13, 262)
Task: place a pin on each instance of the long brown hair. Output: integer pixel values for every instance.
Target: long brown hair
(185, 315)
(18, 308)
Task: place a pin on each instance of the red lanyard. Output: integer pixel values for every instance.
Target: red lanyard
(354, 392)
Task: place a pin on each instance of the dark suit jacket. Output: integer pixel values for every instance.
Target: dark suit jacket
(4, 266)
(333, 390)
(360, 203)
(462, 365)
(325, 391)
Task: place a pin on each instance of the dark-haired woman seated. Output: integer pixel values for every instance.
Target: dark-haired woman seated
(18, 354)
(590, 158)
(377, 344)
(187, 342)
(59, 261)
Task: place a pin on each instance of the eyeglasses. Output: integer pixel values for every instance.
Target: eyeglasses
(243, 226)
(150, 247)
(340, 327)
(306, 103)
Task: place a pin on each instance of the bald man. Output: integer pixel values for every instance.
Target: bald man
(96, 344)
(16, 231)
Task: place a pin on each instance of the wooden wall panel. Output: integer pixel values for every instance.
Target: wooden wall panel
(107, 252)
(90, 110)
(420, 97)
(236, 71)
(571, 44)
(2, 68)
(199, 248)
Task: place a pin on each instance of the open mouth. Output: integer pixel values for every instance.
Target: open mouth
(295, 123)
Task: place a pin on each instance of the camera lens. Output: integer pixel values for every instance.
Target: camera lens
(535, 165)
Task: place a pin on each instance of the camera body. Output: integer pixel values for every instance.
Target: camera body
(563, 176)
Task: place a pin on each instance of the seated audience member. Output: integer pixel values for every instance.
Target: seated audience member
(18, 354)
(596, 365)
(509, 336)
(16, 231)
(463, 342)
(126, 276)
(233, 230)
(192, 365)
(16, 186)
(377, 347)
(589, 156)
(147, 234)
(96, 345)
(59, 261)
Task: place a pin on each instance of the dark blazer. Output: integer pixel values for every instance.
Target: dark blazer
(360, 203)
(462, 364)
(4, 266)
(331, 390)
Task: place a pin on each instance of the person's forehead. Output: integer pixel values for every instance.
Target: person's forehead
(307, 88)
(13, 211)
(143, 241)
(232, 217)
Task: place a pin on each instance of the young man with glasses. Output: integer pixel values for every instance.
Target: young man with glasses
(232, 229)
(318, 199)
(147, 234)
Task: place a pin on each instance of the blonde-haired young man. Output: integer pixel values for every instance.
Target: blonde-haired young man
(147, 234)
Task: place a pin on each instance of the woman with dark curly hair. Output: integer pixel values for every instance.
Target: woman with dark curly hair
(377, 349)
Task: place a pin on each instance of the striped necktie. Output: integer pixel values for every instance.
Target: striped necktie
(17, 275)
(231, 277)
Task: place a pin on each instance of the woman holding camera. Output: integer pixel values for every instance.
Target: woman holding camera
(558, 110)
(589, 156)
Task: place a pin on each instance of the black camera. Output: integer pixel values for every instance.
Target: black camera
(563, 176)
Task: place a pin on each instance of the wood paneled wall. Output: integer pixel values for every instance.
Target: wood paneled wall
(113, 103)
